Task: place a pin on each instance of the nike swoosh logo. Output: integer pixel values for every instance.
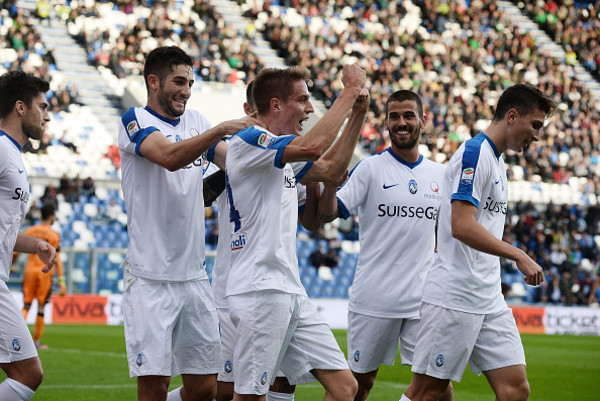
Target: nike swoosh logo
(389, 186)
(496, 182)
(20, 171)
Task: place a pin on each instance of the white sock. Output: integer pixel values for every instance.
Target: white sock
(174, 395)
(404, 398)
(12, 390)
(273, 396)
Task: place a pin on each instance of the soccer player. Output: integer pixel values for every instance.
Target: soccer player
(23, 116)
(464, 317)
(169, 315)
(397, 193)
(276, 325)
(36, 283)
(308, 197)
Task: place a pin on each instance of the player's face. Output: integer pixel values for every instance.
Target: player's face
(404, 124)
(36, 117)
(294, 112)
(175, 90)
(524, 129)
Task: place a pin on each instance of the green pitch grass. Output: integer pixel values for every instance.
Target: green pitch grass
(89, 363)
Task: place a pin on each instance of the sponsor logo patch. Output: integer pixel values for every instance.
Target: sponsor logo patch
(467, 176)
(263, 140)
(434, 186)
(238, 241)
(132, 127)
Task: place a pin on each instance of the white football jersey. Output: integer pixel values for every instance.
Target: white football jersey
(463, 278)
(263, 213)
(165, 210)
(14, 194)
(397, 205)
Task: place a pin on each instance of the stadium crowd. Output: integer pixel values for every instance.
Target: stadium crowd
(575, 27)
(458, 58)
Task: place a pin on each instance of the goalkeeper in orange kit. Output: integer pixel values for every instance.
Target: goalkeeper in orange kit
(36, 284)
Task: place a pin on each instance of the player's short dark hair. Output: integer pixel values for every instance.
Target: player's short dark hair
(162, 60)
(401, 96)
(276, 82)
(47, 211)
(249, 98)
(524, 99)
(19, 85)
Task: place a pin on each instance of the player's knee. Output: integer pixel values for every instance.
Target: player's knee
(517, 392)
(365, 381)
(205, 392)
(35, 378)
(348, 389)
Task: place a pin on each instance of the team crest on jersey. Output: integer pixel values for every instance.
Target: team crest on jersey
(412, 186)
(357, 356)
(139, 360)
(132, 127)
(439, 360)
(228, 367)
(467, 176)
(16, 344)
(238, 241)
(263, 140)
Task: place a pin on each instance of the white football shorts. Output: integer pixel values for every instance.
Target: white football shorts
(170, 328)
(449, 339)
(16, 343)
(373, 341)
(279, 330)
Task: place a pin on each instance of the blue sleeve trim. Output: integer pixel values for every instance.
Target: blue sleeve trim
(280, 144)
(301, 208)
(343, 210)
(139, 137)
(210, 153)
(467, 172)
(304, 170)
(466, 198)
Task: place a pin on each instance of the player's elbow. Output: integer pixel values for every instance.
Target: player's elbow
(458, 231)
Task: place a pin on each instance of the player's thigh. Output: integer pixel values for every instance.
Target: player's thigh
(29, 286)
(262, 321)
(312, 346)
(227, 333)
(43, 291)
(498, 344)
(445, 341)
(150, 312)
(408, 339)
(372, 341)
(16, 343)
(196, 342)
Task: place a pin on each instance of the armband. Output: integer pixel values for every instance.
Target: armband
(213, 185)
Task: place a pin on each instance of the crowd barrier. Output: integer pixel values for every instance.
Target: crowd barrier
(98, 309)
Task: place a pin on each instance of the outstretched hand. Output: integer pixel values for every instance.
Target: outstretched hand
(353, 76)
(47, 254)
(234, 126)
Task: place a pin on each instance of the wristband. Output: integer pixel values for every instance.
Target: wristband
(61, 280)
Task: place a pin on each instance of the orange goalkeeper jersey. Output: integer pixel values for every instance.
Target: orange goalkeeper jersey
(48, 235)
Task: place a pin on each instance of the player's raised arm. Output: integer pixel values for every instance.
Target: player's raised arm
(331, 167)
(173, 156)
(316, 142)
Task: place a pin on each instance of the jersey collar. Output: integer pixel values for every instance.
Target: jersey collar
(2, 133)
(494, 148)
(163, 118)
(401, 160)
